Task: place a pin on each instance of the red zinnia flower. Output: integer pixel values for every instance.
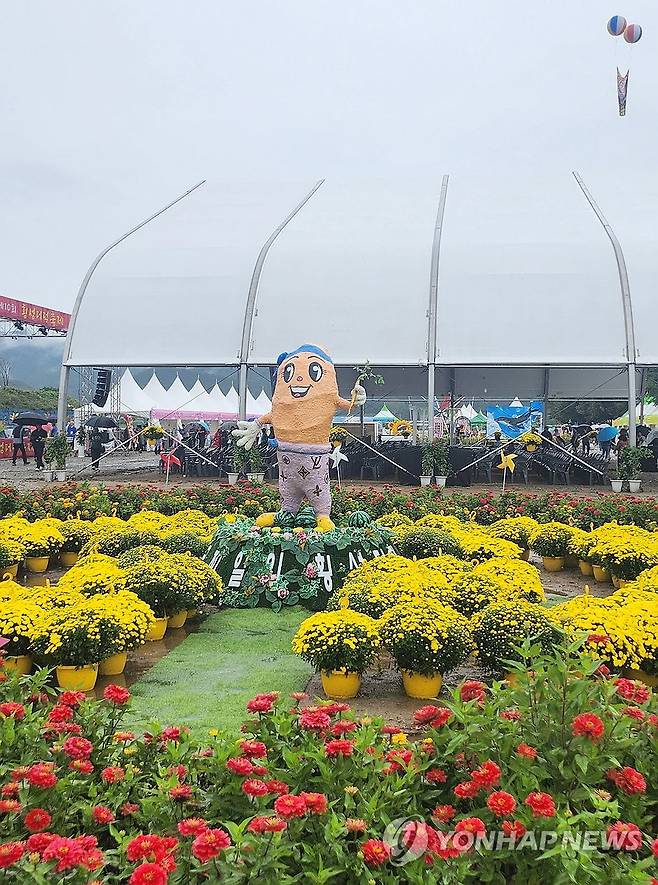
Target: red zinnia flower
(512, 714)
(375, 852)
(634, 713)
(180, 792)
(41, 775)
(339, 747)
(83, 766)
(38, 842)
(316, 803)
(471, 825)
(487, 775)
(654, 847)
(11, 708)
(278, 787)
(192, 826)
(210, 844)
(253, 749)
(290, 806)
(37, 820)
(527, 751)
(588, 725)
(444, 813)
(60, 713)
(514, 828)
(467, 790)
(255, 788)
(624, 837)
(128, 808)
(102, 814)
(343, 726)
(113, 774)
(11, 853)
(10, 806)
(501, 803)
(116, 694)
(628, 780)
(314, 720)
(425, 715)
(149, 874)
(261, 704)
(240, 765)
(68, 853)
(260, 825)
(77, 748)
(436, 776)
(71, 698)
(541, 804)
(10, 790)
(472, 690)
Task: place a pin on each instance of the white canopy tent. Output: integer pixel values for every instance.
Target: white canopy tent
(471, 281)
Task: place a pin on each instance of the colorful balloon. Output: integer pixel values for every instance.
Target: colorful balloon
(632, 33)
(617, 25)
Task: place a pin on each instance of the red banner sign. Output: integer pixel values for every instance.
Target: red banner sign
(22, 311)
(6, 448)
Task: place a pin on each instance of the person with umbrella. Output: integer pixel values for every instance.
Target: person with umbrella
(38, 439)
(97, 448)
(18, 444)
(606, 437)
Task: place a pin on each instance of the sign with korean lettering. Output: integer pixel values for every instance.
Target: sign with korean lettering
(24, 312)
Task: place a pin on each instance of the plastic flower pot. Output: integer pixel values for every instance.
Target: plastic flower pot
(157, 630)
(340, 684)
(177, 620)
(11, 570)
(585, 567)
(48, 475)
(114, 665)
(255, 477)
(525, 555)
(530, 448)
(425, 480)
(553, 563)
(37, 564)
(233, 478)
(616, 484)
(21, 664)
(77, 678)
(634, 485)
(421, 687)
(601, 575)
(441, 481)
(61, 476)
(68, 558)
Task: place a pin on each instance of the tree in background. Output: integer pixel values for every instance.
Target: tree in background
(5, 373)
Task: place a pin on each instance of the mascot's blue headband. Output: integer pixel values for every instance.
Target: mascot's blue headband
(305, 348)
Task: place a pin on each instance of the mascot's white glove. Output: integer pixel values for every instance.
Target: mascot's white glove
(247, 433)
(359, 395)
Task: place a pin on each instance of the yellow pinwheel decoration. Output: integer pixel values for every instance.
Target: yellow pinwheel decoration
(507, 462)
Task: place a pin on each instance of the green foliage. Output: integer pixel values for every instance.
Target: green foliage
(630, 463)
(423, 542)
(44, 399)
(57, 451)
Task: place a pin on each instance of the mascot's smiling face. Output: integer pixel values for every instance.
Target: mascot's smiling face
(305, 374)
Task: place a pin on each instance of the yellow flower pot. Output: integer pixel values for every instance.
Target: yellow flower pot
(177, 620)
(525, 556)
(421, 687)
(601, 575)
(553, 563)
(531, 448)
(570, 561)
(37, 564)
(340, 684)
(114, 665)
(21, 664)
(77, 678)
(68, 558)
(157, 630)
(11, 570)
(585, 568)
(640, 676)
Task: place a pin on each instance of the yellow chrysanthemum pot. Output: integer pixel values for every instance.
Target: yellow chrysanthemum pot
(421, 687)
(157, 630)
(601, 575)
(77, 678)
(37, 564)
(553, 563)
(340, 684)
(525, 555)
(11, 570)
(21, 664)
(585, 568)
(68, 558)
(114, 665)
(177, 620)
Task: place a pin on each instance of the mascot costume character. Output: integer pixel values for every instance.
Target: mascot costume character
(303, 406)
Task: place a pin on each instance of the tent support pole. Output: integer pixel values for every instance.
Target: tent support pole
(643, 392)
(251, 299)
(62, 398)
(432, 311)
(547, 388)
(452, 407)
(627, 304)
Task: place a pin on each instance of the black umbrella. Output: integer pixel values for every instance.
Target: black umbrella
(101, 421)
(33, 420)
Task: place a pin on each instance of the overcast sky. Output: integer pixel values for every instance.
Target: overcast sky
(109, 108)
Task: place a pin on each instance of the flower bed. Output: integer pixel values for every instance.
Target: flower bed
(496, 774)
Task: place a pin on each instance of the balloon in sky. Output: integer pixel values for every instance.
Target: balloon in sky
(632, 33)
(617, 25)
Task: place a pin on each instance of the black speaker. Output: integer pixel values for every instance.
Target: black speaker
(103, 381)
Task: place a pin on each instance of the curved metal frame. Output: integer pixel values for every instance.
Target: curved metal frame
(250, 306)
(627, 304)
(64, 371)
(433, 305)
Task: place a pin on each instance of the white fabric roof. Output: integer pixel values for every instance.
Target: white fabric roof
(527, 275)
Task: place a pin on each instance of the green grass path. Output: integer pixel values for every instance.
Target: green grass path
(205, 682)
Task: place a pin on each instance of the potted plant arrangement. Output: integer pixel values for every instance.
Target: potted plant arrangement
(240, 461)
(56, 452)
(340, 645)
(76, 533)
(158, 584)
(402, 428)
(74, 639)
(12, 554)
(48, 459)
(630, 467)
(124, 620)
(19, 621)
(616, 483)
(427, 464)
(426, 640)
(551, 542)
(256, 465)
(40, 544)
(516, 529)
(152, 433)
(441, 453)
(500, 628)
(531, 441)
